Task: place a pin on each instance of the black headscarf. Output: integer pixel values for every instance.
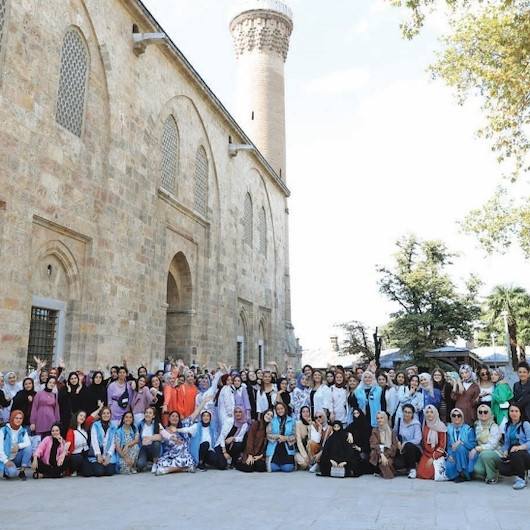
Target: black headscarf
(22, 400)
(94, 393)
(361, 429)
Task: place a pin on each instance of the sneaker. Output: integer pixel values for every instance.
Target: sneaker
(459, 479)
(161, 471)
(519, 484)
(412, 473)
(153, 468)
(314, 468)
(134, 471)
(491, 480)
(74, 474)
(22, 475)
(191, 469)
(201, 467)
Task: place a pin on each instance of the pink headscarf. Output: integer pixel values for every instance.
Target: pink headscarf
(435, 426)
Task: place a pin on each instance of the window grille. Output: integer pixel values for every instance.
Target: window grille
(201, 181)
(72, 83)
(169, 154)
(262, 232)
(42, 335)
(247, 220)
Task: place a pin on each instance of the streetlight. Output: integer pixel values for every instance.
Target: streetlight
(505, 316)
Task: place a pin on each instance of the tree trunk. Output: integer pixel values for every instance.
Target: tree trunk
(512, 331)
(522, 353)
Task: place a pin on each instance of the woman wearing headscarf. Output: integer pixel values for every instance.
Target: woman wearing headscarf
(300, 396)
(202, 443)
(338, 399)
(281, 439)
(15, 447)
(486, 457)
(241, 397)
(95, 395)
(351, 398)
(383, 446)
(339, 453)
(431, 395)
(516, 449)
(253, 458)
(253, 388)
(361, 431)
(368, 395)
(71, 399)
(465, 393)
(303, 437)
(225, 403)
(231, 446)
(23, 401)
(460, 441)
(45, 409)
(103, 451)
(51, 456)
(408, 433)
(500, 399)
(434, 442)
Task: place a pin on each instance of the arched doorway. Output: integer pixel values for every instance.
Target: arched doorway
(179, 309)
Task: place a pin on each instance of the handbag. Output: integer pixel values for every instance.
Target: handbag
(338, 472)
(123, 400)
(439, 469)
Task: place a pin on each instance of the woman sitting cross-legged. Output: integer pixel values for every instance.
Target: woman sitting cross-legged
(51, 457)
(460, 441)
(383, 445)
(79, 438)
(253, 458)
(15, 447)
(338, 452)
(434, 440)
(176, 456)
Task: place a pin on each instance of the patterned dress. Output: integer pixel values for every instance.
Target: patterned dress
(177, 454)
(131, 452)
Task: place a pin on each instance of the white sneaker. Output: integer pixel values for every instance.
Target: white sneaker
(412, 473)
(153, 468)
(191, 469)
(314, 468)
(161, 471)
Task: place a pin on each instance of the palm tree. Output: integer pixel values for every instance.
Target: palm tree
(516, 302)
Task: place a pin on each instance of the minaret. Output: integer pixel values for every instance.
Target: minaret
(261, 32)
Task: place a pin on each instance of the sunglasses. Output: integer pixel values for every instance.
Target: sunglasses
(483, 373)
(319, 417)
(484, 412)
(456, 415)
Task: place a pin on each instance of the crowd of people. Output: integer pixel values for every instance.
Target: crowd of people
(335, 422)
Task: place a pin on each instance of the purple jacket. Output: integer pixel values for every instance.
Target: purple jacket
(114, 393)
(45, 411)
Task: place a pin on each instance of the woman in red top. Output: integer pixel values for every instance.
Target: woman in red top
(434, 440)
(79, 438)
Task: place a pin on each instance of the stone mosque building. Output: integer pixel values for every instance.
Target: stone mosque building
(137, 217)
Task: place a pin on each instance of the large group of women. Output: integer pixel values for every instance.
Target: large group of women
(336, 422)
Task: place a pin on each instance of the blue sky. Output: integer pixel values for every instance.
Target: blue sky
(375, 150)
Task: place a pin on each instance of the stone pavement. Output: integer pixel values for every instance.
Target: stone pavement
(230, 499)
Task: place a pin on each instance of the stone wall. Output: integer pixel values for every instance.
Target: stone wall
(85, 221)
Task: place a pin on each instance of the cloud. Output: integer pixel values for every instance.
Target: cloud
(339, 82)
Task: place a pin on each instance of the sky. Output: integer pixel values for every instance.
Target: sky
(375, 150)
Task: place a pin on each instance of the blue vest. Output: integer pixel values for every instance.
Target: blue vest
(8, 432)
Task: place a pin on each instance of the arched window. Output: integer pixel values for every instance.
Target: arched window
(169, 154)
(201, 181)
(3, 27)
(72, 83)
(262, 232)
(247, 220)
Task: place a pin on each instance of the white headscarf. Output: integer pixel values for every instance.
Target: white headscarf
(429, 387)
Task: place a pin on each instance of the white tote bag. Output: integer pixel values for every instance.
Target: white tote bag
(439, 469)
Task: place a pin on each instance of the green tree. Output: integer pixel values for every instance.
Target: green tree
(357, 340)
(516, 302)
(487, 54)
(432, 312)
